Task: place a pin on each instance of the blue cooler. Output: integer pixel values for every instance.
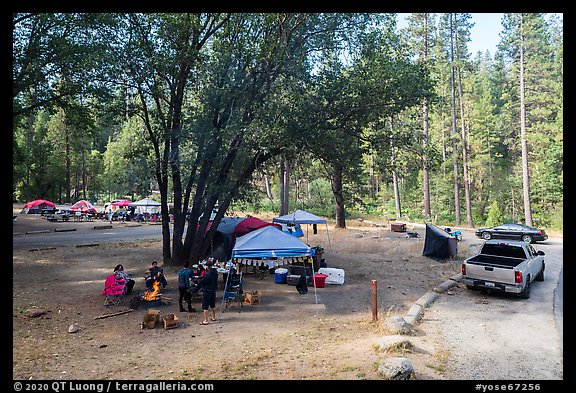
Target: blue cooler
(280, 275)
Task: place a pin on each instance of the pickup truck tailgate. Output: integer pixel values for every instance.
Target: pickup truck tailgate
(505, 275)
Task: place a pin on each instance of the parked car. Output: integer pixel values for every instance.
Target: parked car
(513, 232)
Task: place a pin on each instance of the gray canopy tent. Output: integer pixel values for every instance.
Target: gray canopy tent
(303, 217)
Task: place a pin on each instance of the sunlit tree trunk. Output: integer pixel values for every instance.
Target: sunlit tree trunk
(525, 172)
(454, 132)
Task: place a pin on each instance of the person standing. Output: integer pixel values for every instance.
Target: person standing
(209, 284)
(184, 287)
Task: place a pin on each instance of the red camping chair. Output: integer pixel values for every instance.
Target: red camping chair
(114, 290)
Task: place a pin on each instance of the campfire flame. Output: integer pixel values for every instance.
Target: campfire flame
(154, 294)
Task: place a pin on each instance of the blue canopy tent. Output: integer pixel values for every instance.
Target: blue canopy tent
(269, 243)
(303, 217)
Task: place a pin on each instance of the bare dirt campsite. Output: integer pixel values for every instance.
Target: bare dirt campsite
(325, 334)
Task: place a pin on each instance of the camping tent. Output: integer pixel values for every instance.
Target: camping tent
(36, 207)
(223, 240)
(83, 206)
(121, 202)
(302, 217)
(438, 244)
(231, 228)
(269, 242)
(146, 206)
(250, 224)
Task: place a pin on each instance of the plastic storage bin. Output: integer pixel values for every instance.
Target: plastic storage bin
(319, 280)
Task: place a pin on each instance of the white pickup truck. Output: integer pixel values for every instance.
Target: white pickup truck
(504, 266)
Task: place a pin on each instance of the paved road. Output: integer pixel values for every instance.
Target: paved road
(84, 234)
(495, 336)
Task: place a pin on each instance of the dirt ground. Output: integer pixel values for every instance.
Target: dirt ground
(326, 334)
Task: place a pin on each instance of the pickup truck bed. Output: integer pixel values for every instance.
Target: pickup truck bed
(495, 260)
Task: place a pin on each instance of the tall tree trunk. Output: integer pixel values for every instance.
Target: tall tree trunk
(281, 176)
(372, 180)
(68, 164)
(338, 197)
(454, 132)
(83, 169)
(268, 188)
(525, 172)
(284, 189)
(286, 195)
(394, 173)
(425, 173)
(464, 153)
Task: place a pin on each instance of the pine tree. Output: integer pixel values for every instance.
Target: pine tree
(495, 216)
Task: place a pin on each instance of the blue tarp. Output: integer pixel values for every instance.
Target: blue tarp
(270, 242)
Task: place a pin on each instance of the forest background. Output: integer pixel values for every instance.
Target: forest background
(338, 114)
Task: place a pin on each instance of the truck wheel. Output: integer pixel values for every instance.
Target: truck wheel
(525, 294)
(540, 276)
(527, 238)
(486, 235)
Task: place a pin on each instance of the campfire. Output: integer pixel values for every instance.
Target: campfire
(154, 294)
(150, 298)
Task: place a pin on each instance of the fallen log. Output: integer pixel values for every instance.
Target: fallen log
(374, 224)
(114, 314)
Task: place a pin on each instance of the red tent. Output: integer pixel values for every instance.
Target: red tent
(121, 202)
(250, 224)
(83, 206)
(38, 205)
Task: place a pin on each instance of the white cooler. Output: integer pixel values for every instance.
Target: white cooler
(335, 276)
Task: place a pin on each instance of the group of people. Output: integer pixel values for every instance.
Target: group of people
(202, 277)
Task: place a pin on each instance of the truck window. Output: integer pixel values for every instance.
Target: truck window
(503, 250)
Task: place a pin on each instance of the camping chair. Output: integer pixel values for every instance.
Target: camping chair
(114, 290)
(233, 290)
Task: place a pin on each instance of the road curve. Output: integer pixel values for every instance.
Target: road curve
(503, 337)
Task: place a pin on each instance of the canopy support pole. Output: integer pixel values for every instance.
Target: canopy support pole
(328, 234)
(224, 293)
(313, 282)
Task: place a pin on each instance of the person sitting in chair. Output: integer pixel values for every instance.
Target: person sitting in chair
(120, 273)
(155, 273)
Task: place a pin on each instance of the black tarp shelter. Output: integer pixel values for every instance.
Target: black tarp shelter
(439, 244)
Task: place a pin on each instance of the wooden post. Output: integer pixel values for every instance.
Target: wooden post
(374, 301)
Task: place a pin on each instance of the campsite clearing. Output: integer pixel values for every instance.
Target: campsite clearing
(324, 334)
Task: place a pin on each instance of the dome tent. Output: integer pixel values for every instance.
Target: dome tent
(36, 207)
